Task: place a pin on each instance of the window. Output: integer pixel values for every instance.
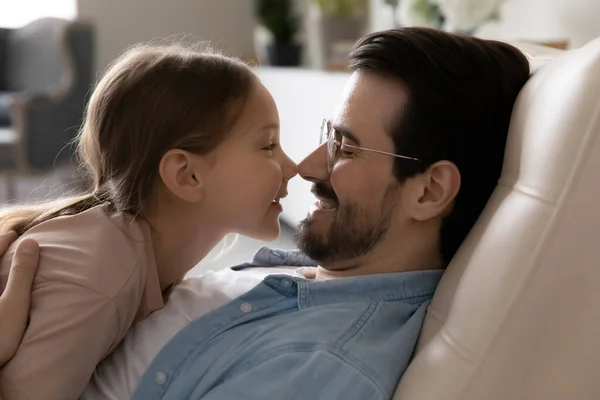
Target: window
(17, 13)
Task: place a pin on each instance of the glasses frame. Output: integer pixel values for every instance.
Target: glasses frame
(333, 146)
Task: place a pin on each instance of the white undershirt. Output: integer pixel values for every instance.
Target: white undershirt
(117, 376)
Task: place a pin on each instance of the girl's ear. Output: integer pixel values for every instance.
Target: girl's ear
(181, 174)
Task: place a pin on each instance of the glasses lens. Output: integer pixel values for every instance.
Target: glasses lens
(326, 137)
(323, 132)
(331, 147)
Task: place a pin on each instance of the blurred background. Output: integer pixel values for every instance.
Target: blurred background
(52, 51)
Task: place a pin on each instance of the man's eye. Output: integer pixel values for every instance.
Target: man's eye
(345, 151)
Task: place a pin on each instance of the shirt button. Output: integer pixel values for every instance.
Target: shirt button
(160, 378)
(286, 283)
(246, 307)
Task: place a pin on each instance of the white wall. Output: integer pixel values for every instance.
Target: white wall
(120, 23)
(303, 98)
(16, 14)
(575, 20)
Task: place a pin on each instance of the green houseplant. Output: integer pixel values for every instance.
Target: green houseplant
(338, 23)
(278, 17)
(460, 16)
(340, 7)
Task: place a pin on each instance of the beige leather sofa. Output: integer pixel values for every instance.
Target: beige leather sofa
(517, 314)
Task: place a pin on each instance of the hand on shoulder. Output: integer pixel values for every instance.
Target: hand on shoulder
(16, 296)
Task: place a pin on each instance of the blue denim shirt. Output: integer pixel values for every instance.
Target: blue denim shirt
(292, 338)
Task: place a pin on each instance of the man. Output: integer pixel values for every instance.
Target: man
(409, 162)
(404, 170)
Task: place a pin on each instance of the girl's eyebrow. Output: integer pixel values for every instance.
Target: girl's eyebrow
(269, 126)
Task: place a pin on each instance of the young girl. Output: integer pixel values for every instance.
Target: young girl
(182, 148)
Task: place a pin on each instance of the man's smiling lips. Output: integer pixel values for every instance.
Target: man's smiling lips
(326, 204)
(322, 206)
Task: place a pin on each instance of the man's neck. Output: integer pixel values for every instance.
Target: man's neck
(411, 254)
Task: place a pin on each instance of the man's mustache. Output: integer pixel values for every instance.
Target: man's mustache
(323, 191)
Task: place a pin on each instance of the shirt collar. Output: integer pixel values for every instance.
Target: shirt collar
(266, 257)
(412, 287)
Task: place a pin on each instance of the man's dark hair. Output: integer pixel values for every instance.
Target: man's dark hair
(461, 91)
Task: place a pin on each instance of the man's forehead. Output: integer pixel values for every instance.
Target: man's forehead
(369, 103)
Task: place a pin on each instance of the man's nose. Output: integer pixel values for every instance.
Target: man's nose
(314, 167)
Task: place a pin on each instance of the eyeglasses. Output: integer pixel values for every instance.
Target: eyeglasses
(334, 145)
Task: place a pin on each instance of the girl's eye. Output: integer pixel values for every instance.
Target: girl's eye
(270, 147)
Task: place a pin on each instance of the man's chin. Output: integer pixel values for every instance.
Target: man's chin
(309, 232)
(318, 224)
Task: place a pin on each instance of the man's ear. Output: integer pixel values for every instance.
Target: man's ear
(432, 193)
(181, 174)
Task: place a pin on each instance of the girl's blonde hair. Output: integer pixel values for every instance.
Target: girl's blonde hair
(152, 99)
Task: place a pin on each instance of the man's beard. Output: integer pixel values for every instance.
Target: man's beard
(354, 231)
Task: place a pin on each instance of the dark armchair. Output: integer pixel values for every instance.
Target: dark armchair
(47, 71)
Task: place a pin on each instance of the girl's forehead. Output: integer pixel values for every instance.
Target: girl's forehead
(259, 113)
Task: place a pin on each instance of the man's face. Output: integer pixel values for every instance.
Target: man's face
(357, 201)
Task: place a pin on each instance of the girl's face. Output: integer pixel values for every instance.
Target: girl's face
(250, 171)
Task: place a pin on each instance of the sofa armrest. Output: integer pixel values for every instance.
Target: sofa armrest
(37, 119)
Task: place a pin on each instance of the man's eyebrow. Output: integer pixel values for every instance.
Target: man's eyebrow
(345, 132)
